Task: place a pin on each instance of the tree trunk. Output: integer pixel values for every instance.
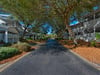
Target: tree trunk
(24, 32)
(59, 34)
(71, 33)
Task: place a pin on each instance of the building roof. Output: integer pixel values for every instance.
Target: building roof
(1, 21)
(90, 16)
(8, 24)
(89, 28)
(10, 29)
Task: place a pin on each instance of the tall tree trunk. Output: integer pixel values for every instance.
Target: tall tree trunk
(71, 33)
(59, 34)
(24, 32)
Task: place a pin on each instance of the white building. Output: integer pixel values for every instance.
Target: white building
(9, 30)
(87, 30)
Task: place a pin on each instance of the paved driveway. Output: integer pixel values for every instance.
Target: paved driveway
(51, 59)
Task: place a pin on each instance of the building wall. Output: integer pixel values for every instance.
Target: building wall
(1, 37)
(80, 30)
(11, 30)
(12, 38)
(92, 22)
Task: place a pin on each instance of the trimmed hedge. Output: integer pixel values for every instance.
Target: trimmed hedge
(22, 47)
(6, 52)
(93, 43)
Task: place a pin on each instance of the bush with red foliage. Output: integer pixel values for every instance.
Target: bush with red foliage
(66, 42)
(83, 43)
(71, 42)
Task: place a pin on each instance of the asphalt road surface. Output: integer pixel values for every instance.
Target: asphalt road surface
(51, 59)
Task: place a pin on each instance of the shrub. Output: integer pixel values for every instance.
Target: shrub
(97, 36)
(82, 43)
(98, 44)
(93, 43)
(67, 42)
(29, 39)
(59, 38)
(64, 42)
(7, 44)
(22, 47)
(6, 52)
(1, 42)
(22, 40)
(70, 42)
(31, 42)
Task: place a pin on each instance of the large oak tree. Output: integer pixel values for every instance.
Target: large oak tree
(66, 8)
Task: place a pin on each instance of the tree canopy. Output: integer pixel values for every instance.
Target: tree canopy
(55, 12)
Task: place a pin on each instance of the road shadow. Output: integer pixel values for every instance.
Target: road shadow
(51, 47)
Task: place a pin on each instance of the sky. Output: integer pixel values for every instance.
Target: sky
(48, 28)
(73, 20)
(95, 8)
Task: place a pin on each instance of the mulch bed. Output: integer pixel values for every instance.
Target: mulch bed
(90, 53)
(84, 49)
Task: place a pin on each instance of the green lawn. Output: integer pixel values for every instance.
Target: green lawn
(97, 35)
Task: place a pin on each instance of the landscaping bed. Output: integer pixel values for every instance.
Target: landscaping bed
(80, 43)
(7, 52)
(23, 48)
(14, 51)
(90, 53)
(88, 50)
(12, 58)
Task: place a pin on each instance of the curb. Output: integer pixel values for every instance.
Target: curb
(87, 61)
(6, 65)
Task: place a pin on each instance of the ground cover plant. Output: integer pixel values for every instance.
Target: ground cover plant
(7, 52)
(22, 47)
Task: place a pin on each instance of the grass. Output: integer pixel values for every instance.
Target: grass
(97, 35)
